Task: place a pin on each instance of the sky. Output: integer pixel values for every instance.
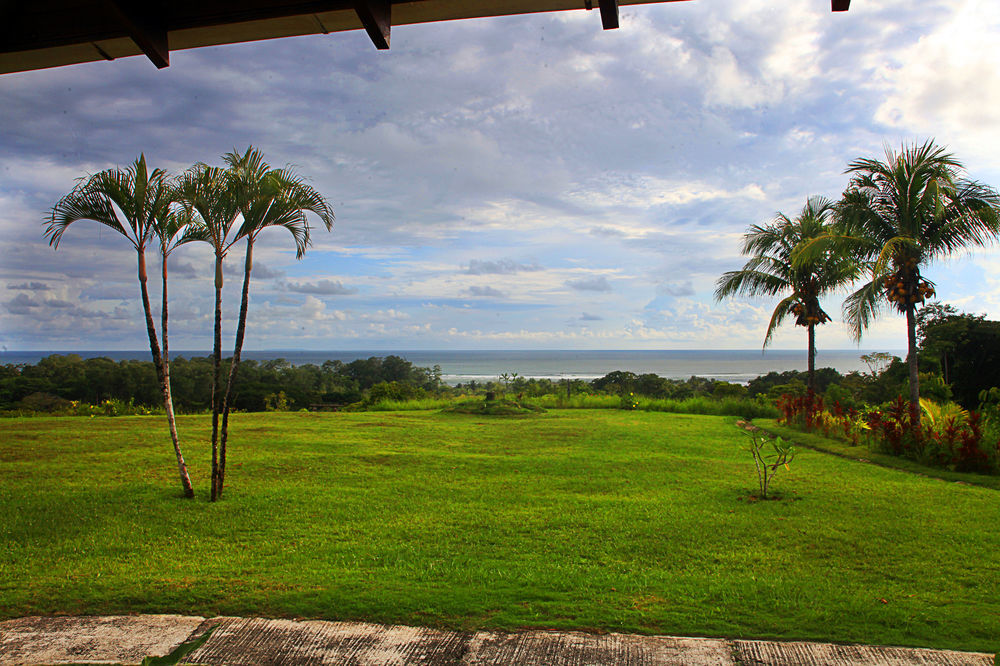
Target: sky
(526, 182)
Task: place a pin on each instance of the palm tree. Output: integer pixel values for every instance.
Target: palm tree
(773, 270)
(265, 198)
(207, 196)
(899, 215)
(142, 198)
(172, 229)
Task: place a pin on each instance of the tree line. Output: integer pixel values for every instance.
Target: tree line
(58, 379)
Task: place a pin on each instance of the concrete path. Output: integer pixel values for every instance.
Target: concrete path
(260, 642)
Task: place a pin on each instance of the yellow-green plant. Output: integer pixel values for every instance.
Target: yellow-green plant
(936, 414)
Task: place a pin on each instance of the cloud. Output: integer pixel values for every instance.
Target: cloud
(321, 288)
(495, 139)
(103, 291)
(235, 268)
(485, 292)
(188, 270)
(499, 267)
(936, 87)
(30, 286)
(597, 283)
(56, 303)
(634, 190)
(21, 304)
(684, 288)
(264, 272)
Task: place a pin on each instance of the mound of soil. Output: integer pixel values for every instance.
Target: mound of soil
(494, 408)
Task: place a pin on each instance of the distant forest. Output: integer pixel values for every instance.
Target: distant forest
(55, 379)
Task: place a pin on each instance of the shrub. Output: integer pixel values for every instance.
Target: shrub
(393, 391)
(276, 402)
(43, 402)
(947, 436)
(628, 402)
(769, 455)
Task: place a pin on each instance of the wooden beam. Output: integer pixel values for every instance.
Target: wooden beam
(840, 5)
(146, 27)
(376, 17)
(609, 14)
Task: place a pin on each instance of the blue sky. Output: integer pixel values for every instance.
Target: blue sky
(521, 182)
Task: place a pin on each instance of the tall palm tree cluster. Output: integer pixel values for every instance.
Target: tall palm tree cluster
(221, 206)
(895, 217)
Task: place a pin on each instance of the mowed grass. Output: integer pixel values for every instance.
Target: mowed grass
(596, 520)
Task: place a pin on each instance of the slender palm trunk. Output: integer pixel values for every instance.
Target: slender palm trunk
(154, 349)
(216, 374)
(911, 360)
(241, 328)
(812, 361)
(168, 402)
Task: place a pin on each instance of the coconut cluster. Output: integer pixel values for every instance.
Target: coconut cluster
(805, 317)
(904, 292)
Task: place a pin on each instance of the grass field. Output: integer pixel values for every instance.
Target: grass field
(594, 520)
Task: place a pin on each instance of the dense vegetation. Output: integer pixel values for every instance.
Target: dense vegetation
(56, 380)
(73, 385)
(959, 428)
(598, 520)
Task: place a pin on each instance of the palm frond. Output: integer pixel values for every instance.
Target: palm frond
(141, 196)
(208, 197)
(863, 306)
(749, 283)
(782, 310)
(895, 249)
(275, 198)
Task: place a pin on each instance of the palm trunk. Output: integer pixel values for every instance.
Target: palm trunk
(911, 360)
(154, 349)
(168, 402)
(216, 373)
(812, 362)
(234, 368)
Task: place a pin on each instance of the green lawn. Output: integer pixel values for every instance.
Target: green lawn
(594, 520)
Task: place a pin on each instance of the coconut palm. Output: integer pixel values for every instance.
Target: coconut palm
(772, 271)
(899, 215)
(266, 198)
(142, 198)
(207, 197)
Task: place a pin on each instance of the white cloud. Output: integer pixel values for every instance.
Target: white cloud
(320, 288)
(947, 84)
(596, 283)
(642, 191)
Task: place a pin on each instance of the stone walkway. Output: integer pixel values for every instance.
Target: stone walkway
(260, 642)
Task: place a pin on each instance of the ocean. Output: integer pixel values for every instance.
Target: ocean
(736, 365)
